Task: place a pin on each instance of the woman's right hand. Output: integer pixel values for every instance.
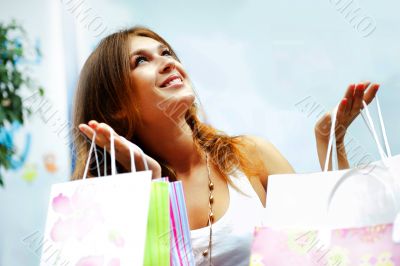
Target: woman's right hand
(121, 147)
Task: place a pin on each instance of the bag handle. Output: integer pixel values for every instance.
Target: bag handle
(332, 141)
(92, 146)
(112, 153)
(130, 146)
(325, 233)
(350, 174)
(370, 125)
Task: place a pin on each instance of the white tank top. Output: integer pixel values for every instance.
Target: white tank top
(233, 232)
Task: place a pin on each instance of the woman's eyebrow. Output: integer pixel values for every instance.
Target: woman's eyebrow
(141, 51)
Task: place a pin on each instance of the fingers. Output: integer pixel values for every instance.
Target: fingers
(89, 132)
(122, 146)
(93, 123)
(366, 84)
(358, 98)
(369, 95)
(349, 108)
(105, 129)
(342, 109)
(102, 133)
(349, 96)
(86, 130)
(356, 93)
(100, 127)
(340, 129)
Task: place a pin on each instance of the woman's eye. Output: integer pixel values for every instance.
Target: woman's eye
(167, 52)
(139, 59)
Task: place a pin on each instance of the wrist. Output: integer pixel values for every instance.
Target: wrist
(324, 137)
(321, 136)
(341, 150)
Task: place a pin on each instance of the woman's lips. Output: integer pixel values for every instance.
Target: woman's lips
(171, 79)
(175, 84)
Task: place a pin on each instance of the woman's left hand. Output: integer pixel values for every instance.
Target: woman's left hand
(349, 108)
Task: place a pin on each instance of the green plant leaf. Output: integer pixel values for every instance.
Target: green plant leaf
(12, 81)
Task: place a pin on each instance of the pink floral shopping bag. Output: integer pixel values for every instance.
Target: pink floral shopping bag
(98, 221)
(364, 246)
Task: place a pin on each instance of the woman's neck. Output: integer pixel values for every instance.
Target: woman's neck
(173, 145)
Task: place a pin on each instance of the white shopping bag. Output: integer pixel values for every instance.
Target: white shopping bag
(377, 244)
(369, 197)
(98, 221)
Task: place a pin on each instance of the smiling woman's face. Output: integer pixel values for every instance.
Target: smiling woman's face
(162, 87)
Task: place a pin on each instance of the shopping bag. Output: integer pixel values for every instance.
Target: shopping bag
(157, 251)
(181, 245)
(332, 236)
(362, 246)
(299, 200)
(377, 244)
(98, 221)
(181, 252)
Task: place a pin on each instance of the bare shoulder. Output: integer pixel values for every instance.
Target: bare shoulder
(274, 162)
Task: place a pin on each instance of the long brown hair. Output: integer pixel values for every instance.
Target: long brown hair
(104, 94)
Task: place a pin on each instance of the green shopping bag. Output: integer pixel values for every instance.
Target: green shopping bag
(157, 250)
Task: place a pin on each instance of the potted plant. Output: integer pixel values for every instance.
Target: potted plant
(14, 81)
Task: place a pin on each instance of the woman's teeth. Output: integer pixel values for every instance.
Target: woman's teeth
(174, 81)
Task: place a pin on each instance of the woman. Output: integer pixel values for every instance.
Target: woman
(134, 83)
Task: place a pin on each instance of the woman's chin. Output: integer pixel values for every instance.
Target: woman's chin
(187, 97)
(176, 103)
(182, 94)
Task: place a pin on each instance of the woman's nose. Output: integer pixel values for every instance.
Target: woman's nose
(168, 65)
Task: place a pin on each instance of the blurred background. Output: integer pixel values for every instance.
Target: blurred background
(265, 68)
